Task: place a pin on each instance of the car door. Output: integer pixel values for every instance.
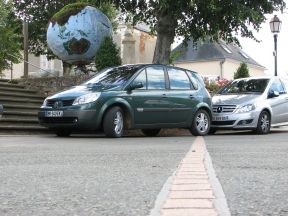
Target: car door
(150, 103)
(182, 95)
(278, 104)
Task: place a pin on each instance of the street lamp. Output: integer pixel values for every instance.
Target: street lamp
(275, 25)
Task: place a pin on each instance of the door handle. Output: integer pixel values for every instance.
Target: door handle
(191, 96)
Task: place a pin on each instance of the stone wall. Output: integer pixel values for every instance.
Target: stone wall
(51, 85)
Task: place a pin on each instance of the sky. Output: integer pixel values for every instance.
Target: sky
(263, 52)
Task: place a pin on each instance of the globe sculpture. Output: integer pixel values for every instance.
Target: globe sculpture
(77, 40)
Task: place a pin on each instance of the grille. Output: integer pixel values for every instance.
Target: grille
(223, 108)
(64, 120)
(223, 122)
(65, 103)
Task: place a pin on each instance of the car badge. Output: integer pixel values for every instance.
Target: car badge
(57, 104)
(219, 109)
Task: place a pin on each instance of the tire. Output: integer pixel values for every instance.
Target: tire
(63, 132)
(150, 132)
(264, 123)
(200, 123)
(113, 123)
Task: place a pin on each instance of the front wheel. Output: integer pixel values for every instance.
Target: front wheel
(113, 124)
(200, 123)
(264, 123)
(150, 132)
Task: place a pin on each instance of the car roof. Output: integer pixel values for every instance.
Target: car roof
(151, 64)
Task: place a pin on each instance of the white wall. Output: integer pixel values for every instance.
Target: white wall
(213, 68)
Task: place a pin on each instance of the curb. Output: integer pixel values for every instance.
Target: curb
(193, 190)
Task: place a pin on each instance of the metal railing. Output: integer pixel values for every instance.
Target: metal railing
(46, 71)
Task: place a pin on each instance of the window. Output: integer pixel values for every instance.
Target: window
(226, 48)
(244, 55)
(155, 78)
(178, 79)
(246, 86)
(141, 78)
(277, 86)
(194, 79)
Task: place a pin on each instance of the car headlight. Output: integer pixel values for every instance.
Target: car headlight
(245, 108)
(88, 98)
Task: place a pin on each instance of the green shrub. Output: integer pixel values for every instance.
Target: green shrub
(242, 71)
(108, 54)
(62, 16)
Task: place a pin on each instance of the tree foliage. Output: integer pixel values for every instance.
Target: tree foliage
(39, 12)
(10, 45)
(242, 71)
(198, 19)
(108, 54)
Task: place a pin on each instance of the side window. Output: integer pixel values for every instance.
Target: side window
(277, 86)
(141, 78)
(195, 79)
(178, 79)
(155, 78)
(285, 84)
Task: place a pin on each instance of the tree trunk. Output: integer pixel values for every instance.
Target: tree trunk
(165, 36)
(66, 68)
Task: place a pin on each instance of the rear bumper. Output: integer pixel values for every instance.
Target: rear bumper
(80, 119)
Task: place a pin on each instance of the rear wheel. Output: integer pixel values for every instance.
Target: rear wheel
(113, 123)
(264, 123)
(63, 132)
(201, 123)
(150, 132)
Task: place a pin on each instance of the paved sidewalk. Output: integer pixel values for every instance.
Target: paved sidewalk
(191, 192)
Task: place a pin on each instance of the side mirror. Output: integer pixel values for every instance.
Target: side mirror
(273, 94)
(133, 86)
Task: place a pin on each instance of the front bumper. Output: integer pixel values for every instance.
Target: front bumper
(247, 120)
(80, 119)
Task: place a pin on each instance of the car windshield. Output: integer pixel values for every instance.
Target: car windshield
(111, 77)
(245, 86)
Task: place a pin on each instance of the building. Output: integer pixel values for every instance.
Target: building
(214, 59)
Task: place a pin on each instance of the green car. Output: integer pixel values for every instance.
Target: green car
(143, 96)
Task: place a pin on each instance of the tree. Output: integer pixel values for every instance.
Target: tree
(39, 12)
(10, 45)
(198, 19)
(242, 71)
(108, 54)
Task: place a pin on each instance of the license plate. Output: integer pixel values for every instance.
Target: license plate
(54, 113)
(220, 118)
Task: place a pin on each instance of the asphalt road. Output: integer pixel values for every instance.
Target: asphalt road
(253, 171)
(92, 175)
(84, 175)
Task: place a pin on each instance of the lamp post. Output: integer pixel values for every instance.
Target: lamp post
(275, 25)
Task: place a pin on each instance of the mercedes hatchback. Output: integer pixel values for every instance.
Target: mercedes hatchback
(146, 96)
(251, 103)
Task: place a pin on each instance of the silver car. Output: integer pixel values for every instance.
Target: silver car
(251, 103)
